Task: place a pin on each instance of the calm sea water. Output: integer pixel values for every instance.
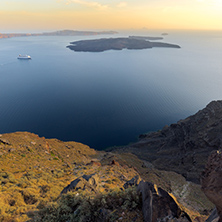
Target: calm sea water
(109, 98)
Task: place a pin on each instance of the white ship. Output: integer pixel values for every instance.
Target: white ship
(24, 57)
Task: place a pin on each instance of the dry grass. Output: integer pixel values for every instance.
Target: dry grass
(35, 170)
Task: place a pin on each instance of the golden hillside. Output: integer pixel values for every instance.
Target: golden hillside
(35, 170)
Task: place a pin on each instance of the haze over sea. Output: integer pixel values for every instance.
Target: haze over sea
(109, 98)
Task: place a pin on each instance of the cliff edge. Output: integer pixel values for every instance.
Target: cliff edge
(183, 147)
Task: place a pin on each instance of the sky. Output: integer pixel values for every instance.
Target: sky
(46, 15)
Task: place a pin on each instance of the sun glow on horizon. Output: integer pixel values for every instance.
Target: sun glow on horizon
(103, 14)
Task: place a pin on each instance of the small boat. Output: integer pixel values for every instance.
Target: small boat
(24, 57)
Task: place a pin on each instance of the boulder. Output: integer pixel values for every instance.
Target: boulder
(94, 163)
(211, 181)
(133, 182)
(159, 205)
(146, 189)
(213, 217)
(114, 162)
(5, 142)
(86, 182)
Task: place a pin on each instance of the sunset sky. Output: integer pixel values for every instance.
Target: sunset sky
(25, 15)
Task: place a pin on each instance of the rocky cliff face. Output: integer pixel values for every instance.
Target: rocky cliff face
(211, 181)
(183, 147)
(159, 205)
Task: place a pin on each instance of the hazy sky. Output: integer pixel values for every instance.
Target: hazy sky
(109, 14)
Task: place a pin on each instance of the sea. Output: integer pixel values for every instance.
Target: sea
(108, 98)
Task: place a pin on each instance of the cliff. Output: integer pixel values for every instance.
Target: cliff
(183, 147)
(211, 181)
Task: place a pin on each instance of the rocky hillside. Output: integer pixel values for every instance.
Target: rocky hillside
(183, 147)
(211, 181)
(50, 180)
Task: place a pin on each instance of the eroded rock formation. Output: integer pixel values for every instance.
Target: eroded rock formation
(86, 182)
(159, 205)
(184, 146)
(133, 182)
(211, 181)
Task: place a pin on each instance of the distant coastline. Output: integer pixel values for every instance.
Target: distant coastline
(132, 42)
(57, 33)
(145, 37)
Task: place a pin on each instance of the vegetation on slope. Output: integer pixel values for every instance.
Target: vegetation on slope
(35, 170)
(82, 206)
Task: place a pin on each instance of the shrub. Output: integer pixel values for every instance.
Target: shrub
(6, 177)
(82, 206)
(30, 195)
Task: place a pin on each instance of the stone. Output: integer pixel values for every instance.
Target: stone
(159, 205)
(133, 182)
(4, 141)
(92, 179)
(94, 163)
(213, 216)
(211, 181)
(86, 182)
(114, 162)
(11, 150)
(145, 189)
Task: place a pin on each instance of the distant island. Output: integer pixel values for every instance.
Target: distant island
(146, 38)
(57, 33)
(76, 33)
(100, 45)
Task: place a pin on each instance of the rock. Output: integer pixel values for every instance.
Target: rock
(147, 164)
(158, 205)
(183, 147)
(47, 147)
(145, 189)
(213, 217)
(6, 142)
(114, 162)
(92, 179)
(11, 150)
(211, 181)
(94, 163)
(199, 219)
(67, 165)
(133, 182)
(86, 182)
